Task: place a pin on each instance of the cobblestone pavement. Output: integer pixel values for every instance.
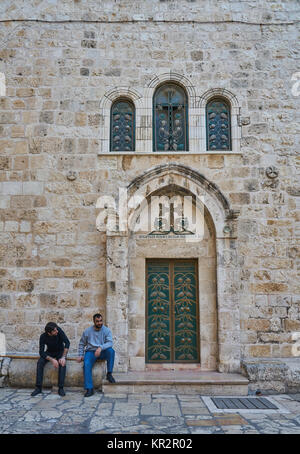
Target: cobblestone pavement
(135, 414)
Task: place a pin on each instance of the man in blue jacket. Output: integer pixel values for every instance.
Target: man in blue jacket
(57, 345)
(96, 343)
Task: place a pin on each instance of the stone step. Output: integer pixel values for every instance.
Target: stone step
(179, 382)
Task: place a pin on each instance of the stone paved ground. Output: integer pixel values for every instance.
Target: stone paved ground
(130, 414)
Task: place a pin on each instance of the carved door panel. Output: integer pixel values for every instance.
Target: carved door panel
(172, 311)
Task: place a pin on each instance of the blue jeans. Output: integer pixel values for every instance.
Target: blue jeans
(89, 361)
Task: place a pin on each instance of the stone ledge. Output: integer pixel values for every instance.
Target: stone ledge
(278, 375)
(168, 153)
(21, 372)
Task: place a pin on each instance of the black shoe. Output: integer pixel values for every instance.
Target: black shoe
(110, 378)
(36, 392)
(89, 393)
(61, 392)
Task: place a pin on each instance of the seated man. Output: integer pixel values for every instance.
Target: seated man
(96, 343)
(57, 345)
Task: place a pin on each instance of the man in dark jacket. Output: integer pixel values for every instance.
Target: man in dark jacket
(57, 345)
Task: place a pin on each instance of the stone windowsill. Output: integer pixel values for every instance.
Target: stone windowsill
(168, 153)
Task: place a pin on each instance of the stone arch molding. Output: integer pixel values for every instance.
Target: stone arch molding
(218, 92)
(178, 175)
(116, 216)
(177, 78)
(120, 92)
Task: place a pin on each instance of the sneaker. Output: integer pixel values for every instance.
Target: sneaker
(89, 392)
(36, 392)
(61, 392)
(110, 378)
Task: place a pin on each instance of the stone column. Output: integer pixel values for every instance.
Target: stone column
(117, 295)
(228, 306)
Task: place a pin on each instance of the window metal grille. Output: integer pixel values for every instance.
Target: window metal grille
(218, 126)
(170, 119)
(122, 129)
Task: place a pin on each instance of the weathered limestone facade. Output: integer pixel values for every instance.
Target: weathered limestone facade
(65, 63)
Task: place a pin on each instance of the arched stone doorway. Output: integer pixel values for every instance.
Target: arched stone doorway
(218, 299)
(188, 321)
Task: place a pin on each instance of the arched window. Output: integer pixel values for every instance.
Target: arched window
(218, 127)
(170, 113)
(122, 126)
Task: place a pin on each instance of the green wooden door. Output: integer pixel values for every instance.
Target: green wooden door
(172, 311)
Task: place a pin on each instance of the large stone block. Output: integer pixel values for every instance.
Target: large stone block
(271, 376)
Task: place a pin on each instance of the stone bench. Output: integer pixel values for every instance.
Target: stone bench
(20, 371)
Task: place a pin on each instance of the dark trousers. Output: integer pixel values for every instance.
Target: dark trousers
(40, 371)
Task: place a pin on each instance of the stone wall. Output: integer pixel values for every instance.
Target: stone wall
(53, 167)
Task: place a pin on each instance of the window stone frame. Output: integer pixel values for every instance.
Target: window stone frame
(143, 104)
(107, 101)
(235, 116)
